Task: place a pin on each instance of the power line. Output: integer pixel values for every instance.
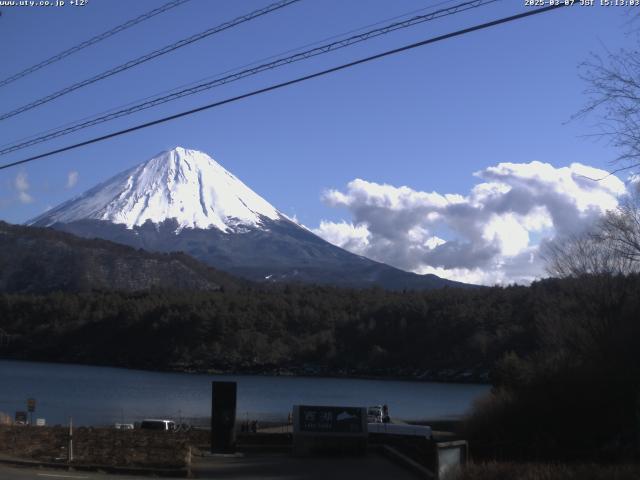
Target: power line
(93, 40)
(150, 56)
(112, 115)
(249, 72)
(290, 82)
(209, 77)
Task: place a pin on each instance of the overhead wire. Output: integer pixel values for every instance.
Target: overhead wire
(93, 40)
(150, 56)
(278, 86)
(209, 77)
(323, 49)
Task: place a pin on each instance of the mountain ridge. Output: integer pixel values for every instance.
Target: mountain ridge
(40, 260)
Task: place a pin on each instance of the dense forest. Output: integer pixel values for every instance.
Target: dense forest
(449, 334)
(302, 329)
(42, 260)
(576, 394)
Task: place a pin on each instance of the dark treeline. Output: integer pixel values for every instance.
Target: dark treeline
(576, 395)
(328, 330)
(305, 329)
(458, 333)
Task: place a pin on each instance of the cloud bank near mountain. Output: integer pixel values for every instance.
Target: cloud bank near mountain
(493, 234)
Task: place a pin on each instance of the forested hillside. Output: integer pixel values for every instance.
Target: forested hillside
(39, 260)
(449, 334)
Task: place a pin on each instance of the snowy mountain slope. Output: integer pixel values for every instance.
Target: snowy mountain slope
(183, 184)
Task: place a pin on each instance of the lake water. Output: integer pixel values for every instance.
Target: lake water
(103, 396)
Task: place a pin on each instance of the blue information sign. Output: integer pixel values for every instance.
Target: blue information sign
(330, 419)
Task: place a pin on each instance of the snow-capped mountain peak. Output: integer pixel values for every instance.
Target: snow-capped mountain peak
(186, 185)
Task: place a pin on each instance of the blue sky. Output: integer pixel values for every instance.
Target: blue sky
(427, 119)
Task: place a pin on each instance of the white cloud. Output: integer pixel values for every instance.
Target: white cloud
(507, 231)
(21, 184)
(348, 236)
(72, 179)
(24, 197)
(491, 235)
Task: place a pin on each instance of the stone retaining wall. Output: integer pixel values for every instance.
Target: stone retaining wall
(98, 446)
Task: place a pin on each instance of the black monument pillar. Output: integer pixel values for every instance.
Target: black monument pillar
(223, 417)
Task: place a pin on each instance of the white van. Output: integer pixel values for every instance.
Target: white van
(124, 426)
(154, 424)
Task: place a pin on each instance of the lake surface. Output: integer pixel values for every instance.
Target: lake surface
(103, 395)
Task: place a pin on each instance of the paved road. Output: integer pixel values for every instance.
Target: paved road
(285, 467)
(15, 473)
(250, 467)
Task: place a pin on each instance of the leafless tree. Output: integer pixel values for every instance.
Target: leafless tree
(613, 91)
(620, 229)
(584, 254)
(612, 247)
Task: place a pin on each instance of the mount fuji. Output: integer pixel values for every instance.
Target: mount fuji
(183, 200)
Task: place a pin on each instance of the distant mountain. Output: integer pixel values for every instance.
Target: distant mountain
(182, 200)
(36, 260)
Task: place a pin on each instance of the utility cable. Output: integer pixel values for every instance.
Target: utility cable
(209, 77)
(289, 82)
(320, 50)
(93, 40)
(150, 56)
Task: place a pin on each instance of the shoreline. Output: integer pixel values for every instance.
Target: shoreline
(446, 376)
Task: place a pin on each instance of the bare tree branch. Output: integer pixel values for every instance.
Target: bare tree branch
(613, 97)
(611, 248)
